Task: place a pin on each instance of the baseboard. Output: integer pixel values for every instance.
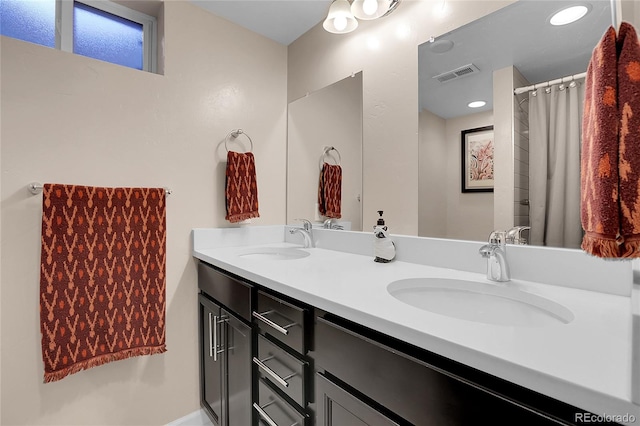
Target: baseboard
(197, 418)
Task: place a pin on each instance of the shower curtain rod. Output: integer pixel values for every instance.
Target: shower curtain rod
(566, 79)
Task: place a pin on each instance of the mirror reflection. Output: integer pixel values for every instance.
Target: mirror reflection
(473, 63)
(326, 126)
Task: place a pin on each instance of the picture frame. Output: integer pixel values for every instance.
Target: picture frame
(477, 160)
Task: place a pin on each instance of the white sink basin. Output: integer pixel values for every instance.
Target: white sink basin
(480, 302)
(274, 253)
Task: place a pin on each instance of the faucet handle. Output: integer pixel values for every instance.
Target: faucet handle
(514, 235)
(306, 224)
(498, 237)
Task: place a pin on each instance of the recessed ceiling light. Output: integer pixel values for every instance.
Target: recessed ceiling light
(441, 46)
(476, 104)
(568, 15)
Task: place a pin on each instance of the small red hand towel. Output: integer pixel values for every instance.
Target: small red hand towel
(241, 187)
(330, 191)
(629, 138)
(102, 276)
(600, 213)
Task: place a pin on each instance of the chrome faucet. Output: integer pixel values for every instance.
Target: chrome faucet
(496, 254)
(330, 224)
(306, 232)
(514, 235)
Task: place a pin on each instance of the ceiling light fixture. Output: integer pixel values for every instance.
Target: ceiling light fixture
(476, 104)
(568, 15)
(370, 9)
(340, 20)
(342, 15)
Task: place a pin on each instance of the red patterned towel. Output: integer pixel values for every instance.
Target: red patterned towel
(330, 191)
(241, 187)
(629, 137)
(599, 169)
(102, 281)
(611, 147)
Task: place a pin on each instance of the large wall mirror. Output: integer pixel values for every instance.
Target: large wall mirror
(327, 118)
(462, 66)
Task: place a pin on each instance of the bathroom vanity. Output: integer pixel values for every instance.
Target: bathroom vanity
(325, 344)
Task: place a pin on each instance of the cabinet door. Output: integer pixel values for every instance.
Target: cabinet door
(212, 360)
(337, 407)
(237, 345)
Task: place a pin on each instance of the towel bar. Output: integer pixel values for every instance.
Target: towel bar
(36, 188)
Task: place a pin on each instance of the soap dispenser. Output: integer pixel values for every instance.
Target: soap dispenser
(384, 248)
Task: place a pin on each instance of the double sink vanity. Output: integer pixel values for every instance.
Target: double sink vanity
(326, 336)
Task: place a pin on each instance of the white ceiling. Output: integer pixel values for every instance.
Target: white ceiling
(518, 34)
(280, 20)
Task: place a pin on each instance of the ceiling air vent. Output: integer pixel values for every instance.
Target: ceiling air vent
(457, 73)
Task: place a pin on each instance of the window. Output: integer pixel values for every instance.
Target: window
(95, 28)
(33, 21)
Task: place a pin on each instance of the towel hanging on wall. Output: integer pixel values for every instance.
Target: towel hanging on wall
(241, 184)
(610, 195)
(330, 191)
(102, 276)
(629, 137)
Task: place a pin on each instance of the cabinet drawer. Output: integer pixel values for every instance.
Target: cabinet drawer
(283, 370)
(282, 320)
(272, 410)
(416, 391)
(230, 292)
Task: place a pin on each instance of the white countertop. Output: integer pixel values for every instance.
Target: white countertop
(586, 363)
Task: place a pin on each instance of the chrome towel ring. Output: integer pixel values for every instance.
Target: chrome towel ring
(326, 154)
(234, 134)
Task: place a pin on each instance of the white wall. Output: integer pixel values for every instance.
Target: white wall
(71, 119)
(386, 52)
(445, 211)
(331, 116)
(503, 109)
(469, 215)
(432, 196)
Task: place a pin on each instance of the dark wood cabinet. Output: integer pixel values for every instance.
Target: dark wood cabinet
(211, 383)
(414, 387)
(268, 359)
(339, 407)
(225, 355)
(282, 366)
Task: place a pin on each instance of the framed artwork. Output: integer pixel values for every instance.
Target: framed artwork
(477, 159)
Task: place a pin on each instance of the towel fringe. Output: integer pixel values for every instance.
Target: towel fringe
(600, 247)
(242, 216)
(102, 359)
(630, 249)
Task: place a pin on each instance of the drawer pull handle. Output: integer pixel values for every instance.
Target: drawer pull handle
(215, 336)
(272, 324)
(272, 373)
(214, 322)
(211, 331)
(264, 415)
